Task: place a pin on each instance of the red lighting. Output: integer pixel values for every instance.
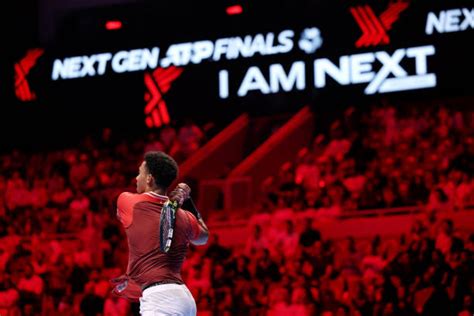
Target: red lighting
(235, 9)
(22, 69)
(157, 84)
(113, 25)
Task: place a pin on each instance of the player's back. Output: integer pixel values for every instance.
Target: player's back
(140, 215)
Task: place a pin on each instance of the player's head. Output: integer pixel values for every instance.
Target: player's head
(157, 171)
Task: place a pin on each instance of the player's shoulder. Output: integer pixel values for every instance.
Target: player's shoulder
(127, 198)
(125, 204)
(124, 196)
(132, 198)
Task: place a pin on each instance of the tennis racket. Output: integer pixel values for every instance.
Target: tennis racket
(168, 215)
(167, 221)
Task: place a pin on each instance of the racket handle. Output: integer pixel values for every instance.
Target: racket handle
(180, 194)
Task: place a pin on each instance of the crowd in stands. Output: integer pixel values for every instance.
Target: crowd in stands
(428, 271)
(179, 143)
(60, 241)
(382, 158)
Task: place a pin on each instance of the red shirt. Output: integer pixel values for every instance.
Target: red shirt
(140, 215)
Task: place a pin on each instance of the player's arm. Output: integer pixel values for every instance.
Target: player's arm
(202, 232)
(202, 236)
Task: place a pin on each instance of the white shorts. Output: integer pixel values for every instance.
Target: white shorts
(167, 299)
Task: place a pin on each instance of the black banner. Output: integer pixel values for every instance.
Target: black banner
(357, 50)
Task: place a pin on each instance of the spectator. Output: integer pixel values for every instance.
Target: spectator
(309, 235)
(9, 295)
(256, 242)
(31, 288)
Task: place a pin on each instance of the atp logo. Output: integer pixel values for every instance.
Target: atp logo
(158, 83)
(22, 68)
(374, 28)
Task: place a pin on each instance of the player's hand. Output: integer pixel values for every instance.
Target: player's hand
(180, 194)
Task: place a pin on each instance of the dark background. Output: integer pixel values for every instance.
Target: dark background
(70, 107)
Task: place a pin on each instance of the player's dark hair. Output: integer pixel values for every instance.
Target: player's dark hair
(162, 167)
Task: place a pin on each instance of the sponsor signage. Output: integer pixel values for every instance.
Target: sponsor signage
(365, 48)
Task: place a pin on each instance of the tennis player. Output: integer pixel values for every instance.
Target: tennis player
(153, 274)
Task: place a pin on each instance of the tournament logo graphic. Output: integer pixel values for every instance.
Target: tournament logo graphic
(157, 84)
(374, 28)
(22, 68)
